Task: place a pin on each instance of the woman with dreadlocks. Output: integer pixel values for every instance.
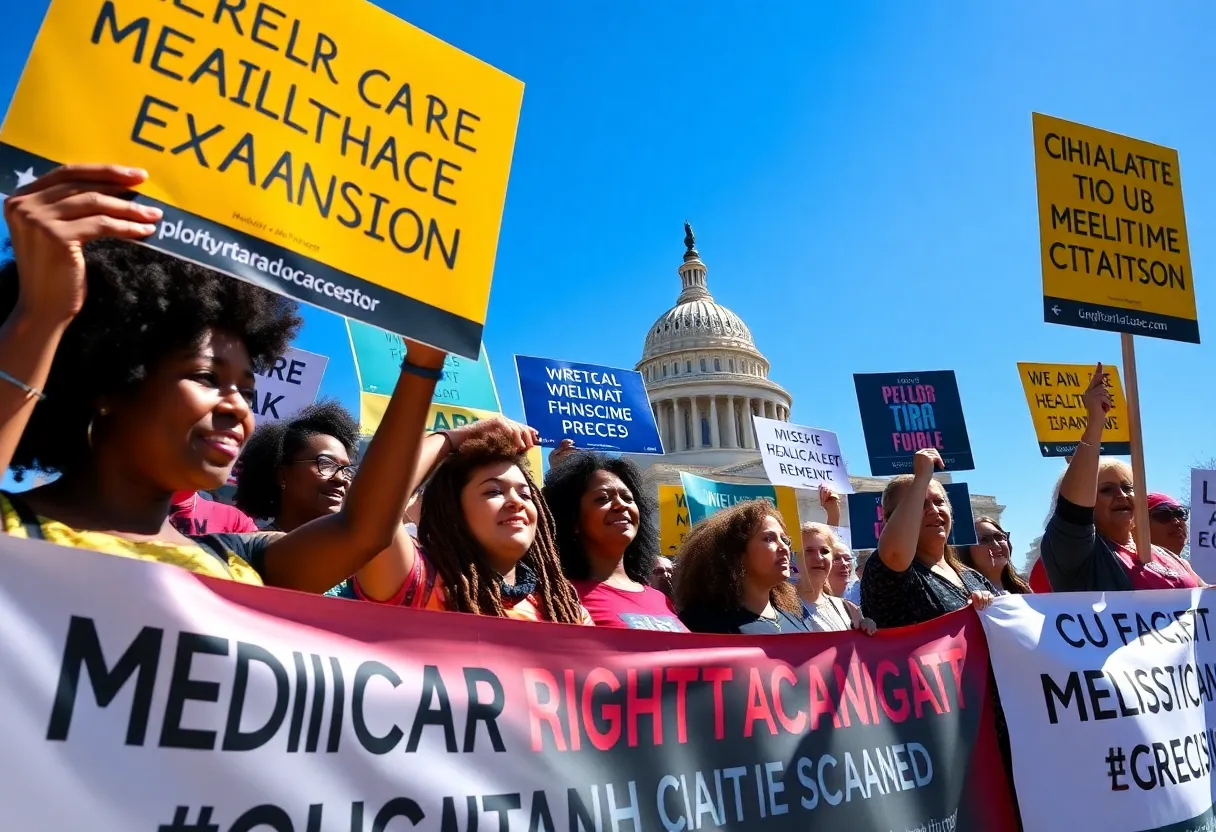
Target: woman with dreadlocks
(485, 536)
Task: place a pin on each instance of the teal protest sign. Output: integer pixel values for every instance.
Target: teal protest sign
(378, 357)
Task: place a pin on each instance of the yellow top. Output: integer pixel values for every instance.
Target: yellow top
(196, 558)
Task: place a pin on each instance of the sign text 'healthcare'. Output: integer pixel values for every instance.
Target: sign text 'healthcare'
(351, 161)
(1054, 393)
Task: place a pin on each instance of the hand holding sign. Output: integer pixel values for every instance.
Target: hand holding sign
(1097, 398)
(925, 461)
(52, 218)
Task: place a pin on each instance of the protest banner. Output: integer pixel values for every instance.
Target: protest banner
(865, 517)
(599, 408)
(1106, 696)
(288, 386)
(1112, 230)
(801, 457)
(902, 413)
(173, 700)
(1203, 523)
(350, 161)
(705, 497)
(1054, 391)
(673, 519)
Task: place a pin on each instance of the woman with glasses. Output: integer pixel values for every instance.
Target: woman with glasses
(732, 575)
(1088, 544)
(298, 469)
(991, 557)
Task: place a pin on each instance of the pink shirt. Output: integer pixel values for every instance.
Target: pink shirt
(191, 514)
(1164, 571)
(612, 607)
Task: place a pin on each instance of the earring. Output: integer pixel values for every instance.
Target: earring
(88, 432)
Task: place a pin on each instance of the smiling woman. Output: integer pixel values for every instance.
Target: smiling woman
(130, 374)
(606, 533)
(732, 575)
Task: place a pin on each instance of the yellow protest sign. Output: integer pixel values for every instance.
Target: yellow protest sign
(1054, 393)
(673, 519)
(339, 156)
(439, 417)
(1113, 233)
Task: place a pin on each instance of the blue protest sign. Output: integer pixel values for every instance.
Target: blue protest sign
(865, 517)
(599, 408)
(902, 413)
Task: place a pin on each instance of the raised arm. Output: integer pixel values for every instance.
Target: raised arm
(330, 549)
(901, 531)
(381, 579)
(1068, 539)
(830, 501)
(1080, 483)
(50, 220)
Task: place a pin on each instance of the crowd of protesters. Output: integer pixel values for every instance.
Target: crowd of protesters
(129, 374)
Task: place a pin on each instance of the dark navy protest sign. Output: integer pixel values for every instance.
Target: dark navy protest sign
(865, 517)
(599, 408)
(902, 413)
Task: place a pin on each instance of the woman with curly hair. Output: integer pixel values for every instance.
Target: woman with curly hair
(485, 535)
(733, 572)
(129, 374)
(606, 534)
(991, 557)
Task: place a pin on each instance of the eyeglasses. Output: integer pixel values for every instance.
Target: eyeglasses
(1167, 513)
(990, 539)
(327, 467)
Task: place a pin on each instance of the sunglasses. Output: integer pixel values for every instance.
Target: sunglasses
(989, 539)
(1167, 513)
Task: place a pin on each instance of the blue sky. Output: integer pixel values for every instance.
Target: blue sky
(861, 180)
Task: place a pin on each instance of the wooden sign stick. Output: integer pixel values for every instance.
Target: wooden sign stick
(1131, 389)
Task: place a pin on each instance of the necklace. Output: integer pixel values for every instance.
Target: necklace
(836, 616)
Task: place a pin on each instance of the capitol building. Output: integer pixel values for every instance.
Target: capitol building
(706, 379)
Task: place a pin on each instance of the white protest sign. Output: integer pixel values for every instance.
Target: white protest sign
(1107, 697)
(801, 457)
(289, 385)
(1203, 523)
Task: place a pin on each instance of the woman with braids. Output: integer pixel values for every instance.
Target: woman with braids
(733, 573)
(608, 540)
(485, 536)
(129, 374)
(991, 558)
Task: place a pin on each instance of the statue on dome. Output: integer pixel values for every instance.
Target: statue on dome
(690, 240)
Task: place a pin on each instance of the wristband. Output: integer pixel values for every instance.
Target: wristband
(421, 372)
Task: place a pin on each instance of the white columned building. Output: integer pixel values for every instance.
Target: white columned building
(706, 378)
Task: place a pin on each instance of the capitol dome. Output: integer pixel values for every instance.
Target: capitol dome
(704, 374)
